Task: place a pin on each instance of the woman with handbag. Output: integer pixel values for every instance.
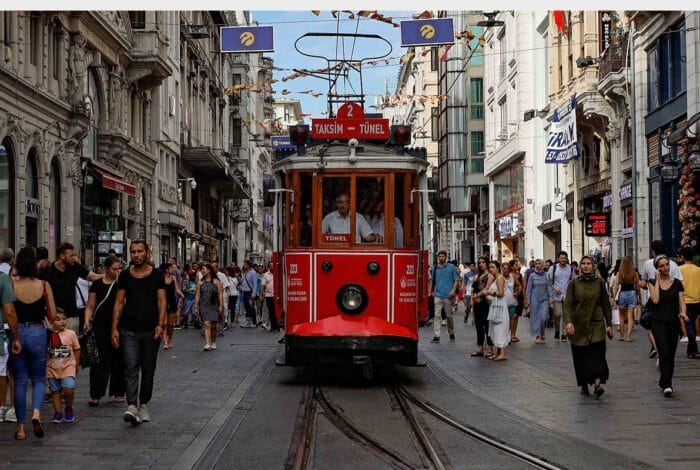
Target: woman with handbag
(667, 312)
(34, 305)
(209, 304)
(98, 320)
(499, 325)
(480, 307)
(627, 295)
(587, 319)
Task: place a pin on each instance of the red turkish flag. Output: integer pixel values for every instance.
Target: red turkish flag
(560, 20)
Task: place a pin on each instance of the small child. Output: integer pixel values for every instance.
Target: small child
(62, 366)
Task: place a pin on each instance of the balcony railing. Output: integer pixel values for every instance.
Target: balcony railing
(613, 58)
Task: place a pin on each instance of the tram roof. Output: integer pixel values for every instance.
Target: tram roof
(335, 156)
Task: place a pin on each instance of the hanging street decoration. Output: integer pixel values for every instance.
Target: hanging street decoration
(427, 32)
(246, 39)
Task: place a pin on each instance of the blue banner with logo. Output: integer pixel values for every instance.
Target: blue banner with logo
(281, 142)
(247, 39)
(562, 142)
(430, 32)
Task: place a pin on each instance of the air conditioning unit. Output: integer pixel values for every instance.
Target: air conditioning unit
(171, 106)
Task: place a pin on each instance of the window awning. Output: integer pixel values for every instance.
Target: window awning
(113, 182)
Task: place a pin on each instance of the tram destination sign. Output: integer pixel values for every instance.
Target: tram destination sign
(351, 123)
(597, 225)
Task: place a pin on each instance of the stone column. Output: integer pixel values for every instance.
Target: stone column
(617, 154)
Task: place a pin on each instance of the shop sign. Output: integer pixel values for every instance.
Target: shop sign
(508, 226)
(562, 142)
(627, 232)
(32, 208)
(570, 207)
(607, 201)
(626, 192)
(189, 218)
(597, 225)
(605, 30)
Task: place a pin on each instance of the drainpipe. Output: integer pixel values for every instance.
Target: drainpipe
(633, 128)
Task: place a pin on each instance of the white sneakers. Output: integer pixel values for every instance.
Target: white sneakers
(144, 414)
(684, 339)
(131, 415)
(10, 416)
(213, 345)
(668, 392)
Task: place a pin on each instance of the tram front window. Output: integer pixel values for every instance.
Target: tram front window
(338, 213)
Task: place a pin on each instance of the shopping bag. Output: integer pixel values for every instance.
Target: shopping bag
(496, 310)
(89, 355)
(616, 316)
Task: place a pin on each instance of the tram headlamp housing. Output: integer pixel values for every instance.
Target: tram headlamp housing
(352, 299)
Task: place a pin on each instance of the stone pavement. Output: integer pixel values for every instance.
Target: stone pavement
(201, 398)
(537, 383)
(194, 394)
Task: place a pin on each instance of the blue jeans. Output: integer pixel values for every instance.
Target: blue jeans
(30, 363)
(187, 309)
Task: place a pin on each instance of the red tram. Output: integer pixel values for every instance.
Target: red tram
(350, 251)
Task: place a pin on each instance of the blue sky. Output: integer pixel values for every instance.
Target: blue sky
(289, 25)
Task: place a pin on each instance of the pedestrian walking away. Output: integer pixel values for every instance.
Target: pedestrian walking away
(628, 297)
(668, 310)
(537, 300)
(138, 325)
(558, 277)
(587, 318)
(444, 288)
(268, 288)
(98, 319)
(34, 304)
(172, 291)
(691, 297)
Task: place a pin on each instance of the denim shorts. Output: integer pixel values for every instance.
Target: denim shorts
(57, 384)
(627, 299)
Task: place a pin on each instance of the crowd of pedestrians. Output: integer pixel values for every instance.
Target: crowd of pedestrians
(125, 310)
(583, 302)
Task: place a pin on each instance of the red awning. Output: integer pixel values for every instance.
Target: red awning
(113, 182)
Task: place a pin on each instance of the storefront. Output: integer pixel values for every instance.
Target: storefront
(510, 237)
(595, 199)
(551, 233)
(627, 222)
(508, 194)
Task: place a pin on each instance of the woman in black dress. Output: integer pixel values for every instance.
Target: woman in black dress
(98, 318)
(667, 313)
(480, 307)
(171, 288)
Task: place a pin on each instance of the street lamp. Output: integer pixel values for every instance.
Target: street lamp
(694, 158)
(192, 181)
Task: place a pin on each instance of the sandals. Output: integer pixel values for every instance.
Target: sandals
(477, 354)
(18, 437)
(630, 340)
(514, 339)
(92, 403)
(620, 338)
(498, 358)
(38, 428)
(598, 391)
(118, 400)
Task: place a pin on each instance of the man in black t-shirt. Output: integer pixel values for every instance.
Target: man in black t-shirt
(138, 322)
(62, 276)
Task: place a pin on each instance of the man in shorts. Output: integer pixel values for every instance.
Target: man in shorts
(8, 316)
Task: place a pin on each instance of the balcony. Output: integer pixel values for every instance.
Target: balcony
(613, 59)
(149, 65)
(210, 167)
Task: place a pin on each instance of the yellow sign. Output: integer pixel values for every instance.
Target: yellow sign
(247, 38)
(427, 31)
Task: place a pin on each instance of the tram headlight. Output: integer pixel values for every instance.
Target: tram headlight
(352, 299)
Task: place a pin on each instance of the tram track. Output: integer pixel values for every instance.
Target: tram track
(317, 402)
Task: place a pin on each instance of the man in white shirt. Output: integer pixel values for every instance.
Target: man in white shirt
(338, 221)
(6, 258)
(268, 287)
(225, 283)
(376, 223)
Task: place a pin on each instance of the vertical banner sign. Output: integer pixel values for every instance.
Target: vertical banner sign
(430, 32)
(242, 39)
(562, 143)
(605, 29)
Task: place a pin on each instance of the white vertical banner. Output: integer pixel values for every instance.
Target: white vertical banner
(562, 142)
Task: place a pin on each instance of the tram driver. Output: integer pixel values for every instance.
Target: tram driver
(338, 221)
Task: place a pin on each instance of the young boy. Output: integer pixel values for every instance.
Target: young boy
(62, 366)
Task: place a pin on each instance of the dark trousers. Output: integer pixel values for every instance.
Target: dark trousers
(249, 309)
(666, 337)
(232, 301)
(270, 302)
(110, 368)
(140, 352)
(481, 313)
(693, 311)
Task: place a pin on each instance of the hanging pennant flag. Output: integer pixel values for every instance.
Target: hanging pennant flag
(560, 19)
(425, 15)
(351, 15)
(365, 13)
(430, 32)
(407, 57)
(316, 12)
(446, 49)
(425, 52)
(246, 39)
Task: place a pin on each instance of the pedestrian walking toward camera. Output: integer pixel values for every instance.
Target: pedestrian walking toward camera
(209, 305)
(691, 297)
(62, 368)
(444, 287)
(667, 311)
(537, 299)
(499, 326)
(138, 324)
(10, 342)
(480, 307)
(588, 317)
(628, 297)
(249, 292)
(98, 319)
(34, 304)
(172, 293)
(519, 293)
(268, 287)
(559, 276)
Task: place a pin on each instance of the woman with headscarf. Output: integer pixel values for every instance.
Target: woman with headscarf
(587, 318)
(537, 298)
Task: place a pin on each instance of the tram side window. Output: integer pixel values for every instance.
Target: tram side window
(370, 206)
(399, 210)
(306, 220)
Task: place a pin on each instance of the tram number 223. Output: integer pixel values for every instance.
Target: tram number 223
(410, 269)
(293, 268)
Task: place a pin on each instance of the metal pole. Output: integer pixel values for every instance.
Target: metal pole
(633, 128)
(452, 235)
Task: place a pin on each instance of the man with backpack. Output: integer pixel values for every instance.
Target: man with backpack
(559, 276)
(444, 285)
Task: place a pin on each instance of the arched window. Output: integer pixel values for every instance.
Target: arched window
(31, 189)
(55, 207)
(7, 192)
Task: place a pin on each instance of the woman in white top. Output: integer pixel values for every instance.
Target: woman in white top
(499, 327)
(234, 276)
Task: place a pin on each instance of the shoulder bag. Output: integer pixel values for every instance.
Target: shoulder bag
(496, 310)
